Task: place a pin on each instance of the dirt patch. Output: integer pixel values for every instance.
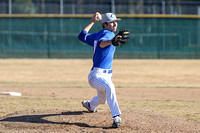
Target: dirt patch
(186, 94)
(81, 121)
(170, 87)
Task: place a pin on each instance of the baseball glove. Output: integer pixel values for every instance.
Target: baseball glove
(120, 41)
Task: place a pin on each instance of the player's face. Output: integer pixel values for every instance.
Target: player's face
(112, 26)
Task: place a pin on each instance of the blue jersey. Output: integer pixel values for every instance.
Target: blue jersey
(102, 57)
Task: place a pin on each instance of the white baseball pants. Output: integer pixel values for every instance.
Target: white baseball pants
(101, 80)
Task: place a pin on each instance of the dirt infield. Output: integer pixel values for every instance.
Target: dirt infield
(81, 121)
(154, 96)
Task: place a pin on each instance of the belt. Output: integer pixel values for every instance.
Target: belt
(108, 71)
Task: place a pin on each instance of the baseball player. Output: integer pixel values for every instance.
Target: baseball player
(100, 77)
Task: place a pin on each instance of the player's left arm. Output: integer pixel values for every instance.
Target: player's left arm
(105, 43)
(108, 42)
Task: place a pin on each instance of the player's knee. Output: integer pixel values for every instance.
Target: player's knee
(110, 88)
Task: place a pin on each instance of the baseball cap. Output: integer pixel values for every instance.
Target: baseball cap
(109, 17)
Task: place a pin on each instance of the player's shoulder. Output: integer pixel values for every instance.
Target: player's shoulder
(106, 32)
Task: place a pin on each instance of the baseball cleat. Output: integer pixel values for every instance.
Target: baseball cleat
(116, 122)
(86, 104)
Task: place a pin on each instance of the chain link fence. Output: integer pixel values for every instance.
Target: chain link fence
(91, 6)
(151, 38)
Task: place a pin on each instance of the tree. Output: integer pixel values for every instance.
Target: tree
(23, 7)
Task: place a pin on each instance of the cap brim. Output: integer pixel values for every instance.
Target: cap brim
(118, 19)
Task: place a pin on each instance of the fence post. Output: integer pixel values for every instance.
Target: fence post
(10, 7)
(61, 7)
(163, 7)
(113, 6)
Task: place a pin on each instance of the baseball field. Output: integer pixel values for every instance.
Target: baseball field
(154, 96)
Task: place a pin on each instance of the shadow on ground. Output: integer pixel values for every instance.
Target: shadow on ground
(39, 119)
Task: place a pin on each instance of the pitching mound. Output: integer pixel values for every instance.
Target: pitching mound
(81, 121)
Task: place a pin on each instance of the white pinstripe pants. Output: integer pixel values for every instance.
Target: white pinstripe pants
(101, 80)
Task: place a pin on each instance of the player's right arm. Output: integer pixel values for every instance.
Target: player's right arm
(82, 36)
(93, 21)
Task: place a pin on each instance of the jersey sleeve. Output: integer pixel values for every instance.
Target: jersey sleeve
(87, 38)
(106, 36)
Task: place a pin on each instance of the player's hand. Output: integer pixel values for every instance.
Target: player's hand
(121, 38)
(95, 17)
(118, 37)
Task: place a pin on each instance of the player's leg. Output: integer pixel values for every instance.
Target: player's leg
(106, 91)
(98, 84)
(112, 102)
(112, 99)
(99, 99)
